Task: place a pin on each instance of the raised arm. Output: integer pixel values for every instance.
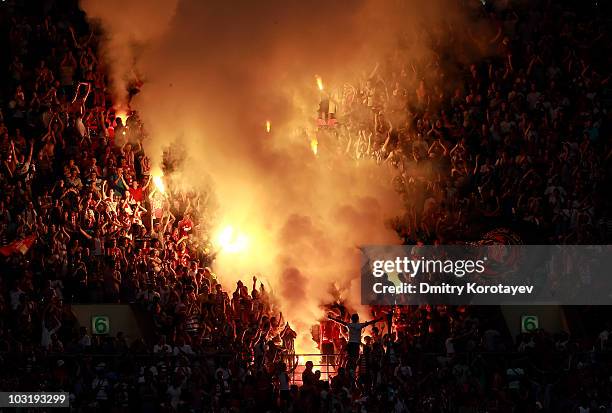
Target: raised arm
(85, 234)
(103, 191)
(373, 321)
(475, 170)
(166, 225)
(147, 184)
(74, 40)
(123, 181)
(188, 208)
(13, 153)
(30, 154)
(337, 320)
(454, 148)
(102, 122)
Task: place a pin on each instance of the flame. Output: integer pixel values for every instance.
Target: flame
(307, 350)
(319, 82)
(268, 125)
(315, 358)
(314, 145)
(232, 241)
(121, 113)
(159, 183)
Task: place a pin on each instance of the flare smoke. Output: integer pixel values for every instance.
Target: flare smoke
(215, 72)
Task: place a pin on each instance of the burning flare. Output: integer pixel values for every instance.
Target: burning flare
(121, 113)
(314, 145)
(268, 125)
(319, 82)
(159, 183)
(232, 241)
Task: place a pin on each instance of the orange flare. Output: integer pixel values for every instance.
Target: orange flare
(232, 241)
(319, 82)
(314, 145)
(159, 183)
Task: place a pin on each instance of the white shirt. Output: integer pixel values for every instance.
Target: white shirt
(355, 332)
(47, 333)
(80, 127)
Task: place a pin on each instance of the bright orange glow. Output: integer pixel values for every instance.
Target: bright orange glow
(314, 145)
(305, 345)
(121, 113)
(268, 125)
(315, 358)
(309, 352)
(159, 183)
(232, 241)
(319, 82)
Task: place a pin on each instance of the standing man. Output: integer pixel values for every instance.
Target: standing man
(354, 341)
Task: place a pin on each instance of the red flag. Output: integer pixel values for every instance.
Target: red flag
(22, 246)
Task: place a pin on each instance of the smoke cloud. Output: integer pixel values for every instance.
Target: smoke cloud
(216, 72)
(129, 27)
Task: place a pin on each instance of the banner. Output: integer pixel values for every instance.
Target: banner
(22, 246)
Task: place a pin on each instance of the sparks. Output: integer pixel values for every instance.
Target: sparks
(232, 241)
(319, 82)
(314, 145)
(268, 125)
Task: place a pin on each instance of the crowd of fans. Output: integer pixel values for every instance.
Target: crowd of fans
(520, 141)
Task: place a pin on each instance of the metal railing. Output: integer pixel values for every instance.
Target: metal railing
(326, 364)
